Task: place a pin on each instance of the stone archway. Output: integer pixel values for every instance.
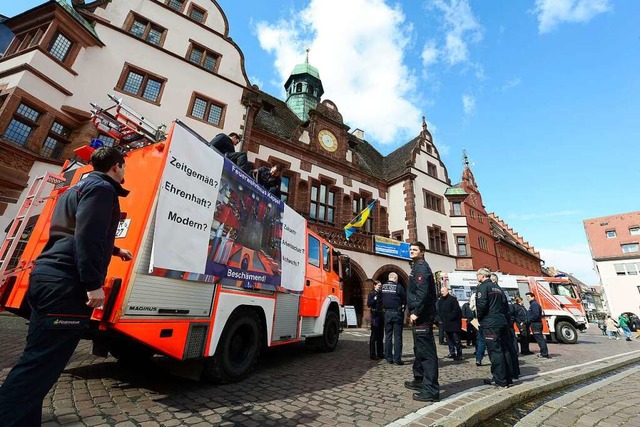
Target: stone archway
(382, 274)
(353, 292)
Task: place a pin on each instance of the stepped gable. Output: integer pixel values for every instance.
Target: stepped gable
(502, 230)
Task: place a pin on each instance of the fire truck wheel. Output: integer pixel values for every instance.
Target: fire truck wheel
(130, 354)
(331, 334)
(238, 349)
(566, 333)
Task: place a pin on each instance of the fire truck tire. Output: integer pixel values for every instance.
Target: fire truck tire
(130, 354)
(238, 349)
(566, 333)
(331, 332)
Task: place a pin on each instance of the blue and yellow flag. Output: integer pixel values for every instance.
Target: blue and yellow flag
(359, 221)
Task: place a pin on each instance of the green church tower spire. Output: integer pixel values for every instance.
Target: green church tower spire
(304, 89)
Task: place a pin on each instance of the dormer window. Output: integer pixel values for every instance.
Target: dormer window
(177, 5)
(197, 14)
(60, 46)
(611, 234)
(299, 88)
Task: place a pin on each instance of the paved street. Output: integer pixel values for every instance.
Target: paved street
(292, 386)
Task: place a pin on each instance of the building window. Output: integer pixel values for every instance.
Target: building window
(26, 40)
(175, 4)
(141, 84)
(610, 234)
(627, 268)
(55, 141)
(397, 235)
(358, 204)
(480, 218)
(206, 110)
(482, 242)
(501, 252)
(433, 201)
(145, 29)
(22, 124)
(107, 141)
(437, 240)
(197, 14)
(432, 170)
(634, 231)
(322, 206)
(60, 46)
(473, 213)
(630, 247)
(429, 149)
(202, 57)
(462, 245)
(457, 208)
(284, 188)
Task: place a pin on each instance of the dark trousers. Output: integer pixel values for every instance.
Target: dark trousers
(496, 340)
(376, 350)
(393, 324)
(425, 365)
(524, 339)
(240, 159)
(512, 353)
(441, 334)
(455, 345)
(481, 346)
(472, 334)
(51, 341)
(536, 328)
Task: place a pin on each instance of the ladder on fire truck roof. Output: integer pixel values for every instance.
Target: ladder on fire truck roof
(34, 198)
(128, 127)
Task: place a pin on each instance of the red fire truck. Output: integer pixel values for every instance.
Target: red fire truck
(222, 268)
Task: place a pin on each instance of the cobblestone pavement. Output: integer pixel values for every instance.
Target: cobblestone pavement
(292, 385)
(613, 401)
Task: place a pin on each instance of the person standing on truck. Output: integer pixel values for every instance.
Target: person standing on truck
(451, 322)
(393, 300)
(493, 312)
(269, 178)
(421, 300)
(226, 145)
(522, 321)
(374, 302)
(66, 285)
(535, 320)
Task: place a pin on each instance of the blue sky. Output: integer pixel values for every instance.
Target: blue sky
(543, 94)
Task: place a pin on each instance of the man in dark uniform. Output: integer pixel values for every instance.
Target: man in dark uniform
(374, 302)
(393, 298)
(535, 319)
(66, 285)
(493, 312)
(226, 146)
(421, 299)
(451, 322)
(522, 320)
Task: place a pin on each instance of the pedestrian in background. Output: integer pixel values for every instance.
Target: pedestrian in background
(623, 323)
(472, 332)
(451, 322)
(374, 302)
(66, 285)
(612, 328)
(441, 334)
(535, 320)
(493, 312)
(636, 323)
(522, 321)
(421, 301)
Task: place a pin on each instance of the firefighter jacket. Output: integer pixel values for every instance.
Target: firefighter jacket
(393, 296)
(421, 298)
(491, 305)
(82, 232)
(535, 312)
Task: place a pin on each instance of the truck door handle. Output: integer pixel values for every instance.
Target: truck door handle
(308, 283)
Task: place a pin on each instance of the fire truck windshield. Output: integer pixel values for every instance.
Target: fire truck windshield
(563, 290)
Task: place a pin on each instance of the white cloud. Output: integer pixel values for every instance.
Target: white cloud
(359, 53)
(554, 12)
(462, 28)
(575, 259)
(510, 84)
(468, 104)
(429, 53)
